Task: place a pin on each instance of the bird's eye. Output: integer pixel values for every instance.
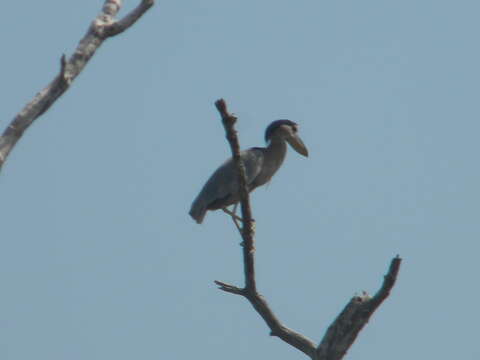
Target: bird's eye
(294, 129)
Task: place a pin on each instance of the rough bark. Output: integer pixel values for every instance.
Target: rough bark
(102, 27)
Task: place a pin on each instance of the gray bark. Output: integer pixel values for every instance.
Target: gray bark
(102, 27)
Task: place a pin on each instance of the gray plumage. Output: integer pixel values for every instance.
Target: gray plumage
(221, 189)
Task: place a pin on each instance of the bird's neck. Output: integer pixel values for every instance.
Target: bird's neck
(275, 152)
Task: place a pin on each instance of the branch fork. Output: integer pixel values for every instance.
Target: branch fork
(343, 331)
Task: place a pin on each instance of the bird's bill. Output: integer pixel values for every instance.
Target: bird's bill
(297, 144)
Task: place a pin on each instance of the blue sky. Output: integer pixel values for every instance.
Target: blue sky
(99, 258)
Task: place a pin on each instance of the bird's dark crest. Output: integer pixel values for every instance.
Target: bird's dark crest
(274, 125)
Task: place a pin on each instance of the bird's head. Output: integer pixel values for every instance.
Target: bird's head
(287, 130)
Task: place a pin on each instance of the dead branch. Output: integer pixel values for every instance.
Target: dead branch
(104, 26)
(343, 331)
(247, 229)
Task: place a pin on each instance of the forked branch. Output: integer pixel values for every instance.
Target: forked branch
(104, 26)
(343, 331)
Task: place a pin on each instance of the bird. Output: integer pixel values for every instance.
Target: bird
(261, 163)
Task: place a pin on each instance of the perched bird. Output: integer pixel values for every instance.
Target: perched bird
(222, 189)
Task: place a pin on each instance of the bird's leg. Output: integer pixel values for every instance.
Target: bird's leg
(234, 217)
(235, 221)
(233, 213)
(235, 209)
(239, 218)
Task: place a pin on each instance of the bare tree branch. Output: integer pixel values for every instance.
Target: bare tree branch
(344, 330)
(247, 229)
(130, 19)
(250, 291)
(103, 27)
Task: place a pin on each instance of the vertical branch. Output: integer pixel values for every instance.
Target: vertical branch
(229, 121)
(250, 290)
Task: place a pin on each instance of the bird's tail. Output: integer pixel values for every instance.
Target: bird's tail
(197, 212)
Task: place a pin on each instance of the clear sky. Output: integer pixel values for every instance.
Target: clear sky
(98, 256)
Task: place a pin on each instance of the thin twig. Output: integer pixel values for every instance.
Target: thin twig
(103, 27)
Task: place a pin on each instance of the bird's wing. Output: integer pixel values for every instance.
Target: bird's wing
(224, 180)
